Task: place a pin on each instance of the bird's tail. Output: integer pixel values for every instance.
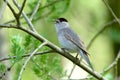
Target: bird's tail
(85, 57)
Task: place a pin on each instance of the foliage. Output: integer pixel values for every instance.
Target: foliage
(2, 68)
(17, 48)
(47, 66)
(49, 9)
(44, 66)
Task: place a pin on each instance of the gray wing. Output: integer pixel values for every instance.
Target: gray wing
(73, 37)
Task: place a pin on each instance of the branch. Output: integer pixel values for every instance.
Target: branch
(3, 9)
(14, 13)
(50, 4)
(21, 9)
(74, 65)
(58, 50)
(25, 17)
(99, 32)
(28, 59)
(112, 64)
(35, 10)
(4, 73)
(26, 55)
(110, 9)
(92, 40)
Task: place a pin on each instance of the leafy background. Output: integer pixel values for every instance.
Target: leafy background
(85, 17)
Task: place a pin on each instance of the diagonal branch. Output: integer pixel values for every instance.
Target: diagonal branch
(14, 13)
(112, 64)
(57, 49)
(110, 9)
(21, 9)
(3, 9)
(28, 59)
(35, 10)
(99, 32)
(52, 3)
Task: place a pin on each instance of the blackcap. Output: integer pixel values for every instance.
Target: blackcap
(69, 40)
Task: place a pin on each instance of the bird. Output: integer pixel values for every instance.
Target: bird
(69, 40)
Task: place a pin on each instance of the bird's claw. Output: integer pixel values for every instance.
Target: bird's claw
(64, 49)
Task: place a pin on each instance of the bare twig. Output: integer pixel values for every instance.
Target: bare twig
(14, 13)
(3, 9)
(112, 64)
(35, 10)
(25, 16)
(26, 55)
(99, 32)
(110, 9)
(8, 69)
(13, 20)
(28, 59)
(74, 65)
(21, 9)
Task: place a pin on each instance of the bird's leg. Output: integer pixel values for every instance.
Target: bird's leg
(80, 58)
(64, 49)
(77, 58)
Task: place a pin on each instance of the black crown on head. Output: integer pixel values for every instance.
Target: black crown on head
(62, 20)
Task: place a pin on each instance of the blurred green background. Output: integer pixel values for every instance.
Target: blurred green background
(86, 17)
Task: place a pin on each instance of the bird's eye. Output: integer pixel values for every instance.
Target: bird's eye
(57, 21)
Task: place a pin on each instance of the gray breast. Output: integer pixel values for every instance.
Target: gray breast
(65, 43)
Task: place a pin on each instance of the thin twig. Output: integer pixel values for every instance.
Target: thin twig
(99, 32)
(73, 68)
(35, 10)
(110, 9)
(26, 55)
(21, 9)
(13, 20)
(25, 16)
(8, 69)
(14, 13)
(28, 59)
(112, 64)
(3, 9)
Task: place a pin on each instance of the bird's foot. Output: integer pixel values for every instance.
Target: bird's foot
(80, 59)
(77, 59)
(64, 49)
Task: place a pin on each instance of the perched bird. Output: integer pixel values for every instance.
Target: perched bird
(69, 40)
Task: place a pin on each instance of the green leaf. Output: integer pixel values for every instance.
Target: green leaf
(48, 65)
(30, 43)
(17, 48)
(2, 68)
